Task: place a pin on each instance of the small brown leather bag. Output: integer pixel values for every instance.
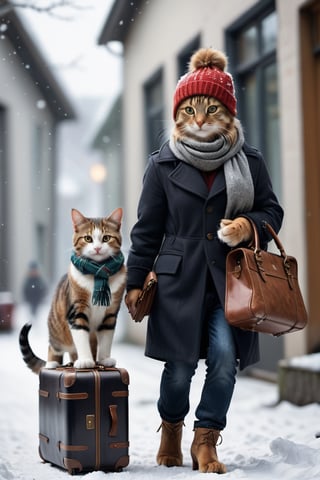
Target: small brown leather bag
(262, 290)
(146, 297)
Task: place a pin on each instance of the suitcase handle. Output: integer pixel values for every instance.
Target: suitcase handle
(114, 420)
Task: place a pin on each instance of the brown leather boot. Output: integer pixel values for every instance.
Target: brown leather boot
(170, 453)
(203, 451)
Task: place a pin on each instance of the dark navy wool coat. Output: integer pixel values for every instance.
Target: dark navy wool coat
(176, 232)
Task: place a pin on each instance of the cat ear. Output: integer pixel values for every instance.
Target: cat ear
(77, 218)
(116, 216)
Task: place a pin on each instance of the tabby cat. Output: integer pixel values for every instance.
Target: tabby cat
(204, 119)
(87, 300)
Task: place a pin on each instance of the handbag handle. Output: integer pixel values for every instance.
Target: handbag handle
(276, 239)
(256, 241)
(257, 250)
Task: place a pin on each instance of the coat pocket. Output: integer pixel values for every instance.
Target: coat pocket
(167, 264)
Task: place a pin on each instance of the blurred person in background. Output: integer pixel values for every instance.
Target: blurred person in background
(34, 288)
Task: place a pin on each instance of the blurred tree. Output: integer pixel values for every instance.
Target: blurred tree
(51, 6)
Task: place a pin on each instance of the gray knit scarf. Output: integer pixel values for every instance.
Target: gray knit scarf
(208, 156)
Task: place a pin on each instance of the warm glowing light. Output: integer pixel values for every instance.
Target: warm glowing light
(98, 172)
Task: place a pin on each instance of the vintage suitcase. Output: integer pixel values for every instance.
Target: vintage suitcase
(83, 418)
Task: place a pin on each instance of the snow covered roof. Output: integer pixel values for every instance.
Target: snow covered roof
(121, 16)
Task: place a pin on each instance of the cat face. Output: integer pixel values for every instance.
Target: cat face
(203, 119)
(96, 238)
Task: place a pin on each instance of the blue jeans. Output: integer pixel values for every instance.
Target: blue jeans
(221, 363)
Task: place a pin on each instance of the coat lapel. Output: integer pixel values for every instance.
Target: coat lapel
(188, 178)
(219, 184)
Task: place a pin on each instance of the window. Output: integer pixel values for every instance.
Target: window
(154, 100)
(154, 111)
(251, 46)
(185, 54)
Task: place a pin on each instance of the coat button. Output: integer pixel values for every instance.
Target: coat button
(210, 236)
(209, 209)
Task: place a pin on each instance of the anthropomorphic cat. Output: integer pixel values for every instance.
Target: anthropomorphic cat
(200, 192)
(87, 300)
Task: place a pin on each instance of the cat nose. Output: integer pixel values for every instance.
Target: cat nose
(97, 249)
(199, 122)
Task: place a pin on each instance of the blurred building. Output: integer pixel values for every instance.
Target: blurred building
(107, 139)
(274, 55)
(32, 105)
(77, 187)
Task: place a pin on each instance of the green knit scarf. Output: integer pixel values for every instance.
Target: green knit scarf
(101, 271)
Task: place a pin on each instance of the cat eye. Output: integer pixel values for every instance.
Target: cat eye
(212, 109)
(87, 239)
(106, 238)
(189, 110)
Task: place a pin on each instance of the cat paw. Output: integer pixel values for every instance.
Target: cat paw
(108, 362)
(52, 365)
(84, 363)
(233, 232)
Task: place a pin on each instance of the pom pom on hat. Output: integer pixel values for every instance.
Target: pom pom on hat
(206, 76)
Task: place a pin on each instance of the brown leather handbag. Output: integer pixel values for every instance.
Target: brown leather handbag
(262, 290)
(146, 297)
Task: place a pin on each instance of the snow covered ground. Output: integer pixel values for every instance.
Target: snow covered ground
(262, 440)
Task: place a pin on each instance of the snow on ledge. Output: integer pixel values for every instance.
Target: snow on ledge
(305, 362)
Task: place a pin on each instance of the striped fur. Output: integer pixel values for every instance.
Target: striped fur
(203, 119)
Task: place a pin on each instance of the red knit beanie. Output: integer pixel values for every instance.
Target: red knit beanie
(206, 76)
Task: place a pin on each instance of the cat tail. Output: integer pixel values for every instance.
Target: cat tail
(32, 361)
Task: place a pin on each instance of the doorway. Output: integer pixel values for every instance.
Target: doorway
(310, 74)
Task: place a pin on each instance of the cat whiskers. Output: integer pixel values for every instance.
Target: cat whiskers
(113, 255)
(229, 134)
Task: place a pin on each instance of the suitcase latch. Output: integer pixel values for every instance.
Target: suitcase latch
(90, 422)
